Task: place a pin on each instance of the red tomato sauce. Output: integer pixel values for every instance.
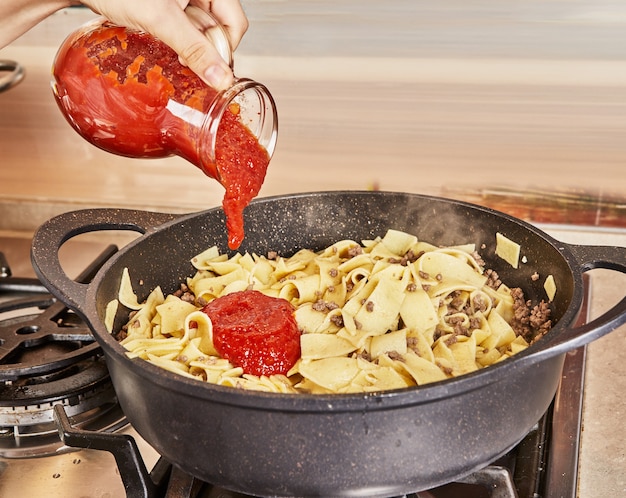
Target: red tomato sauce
(256, 332)
(127, 93)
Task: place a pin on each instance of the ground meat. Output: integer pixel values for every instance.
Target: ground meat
(457, 302)
(478, 259)
(493, 280)
(409, 257)
(540, 319)
(447, 370)
(188, 297)
(337, 320)
(354, 251)
(479, 303)
(460, 329)
(451, 340)
(394, 355)
(364, 355)
(319, 305)
(528, 321)
(185, 294)
(521, 319)
(453, 320)
(438, 333)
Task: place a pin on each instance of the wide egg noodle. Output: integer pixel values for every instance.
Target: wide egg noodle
(207, 257)
(381, 309)
(262, 270)
(110, 313)
(334, 374)
(299, 290)
(388, 313)
(392, 342)
(422, 370)
(318, 346)
(450, 268)
(173, 313)
(213, 285)
(141, 323)
(199, 326)
(502, 333)
(418, 313)
(126, 294)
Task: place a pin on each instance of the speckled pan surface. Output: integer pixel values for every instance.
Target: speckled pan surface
(379, 444)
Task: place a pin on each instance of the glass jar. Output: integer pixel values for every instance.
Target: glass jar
(126, 92)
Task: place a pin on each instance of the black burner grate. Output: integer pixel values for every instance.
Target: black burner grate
(48, 356)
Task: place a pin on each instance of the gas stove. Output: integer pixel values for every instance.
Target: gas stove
(63, 434)
(48, 357)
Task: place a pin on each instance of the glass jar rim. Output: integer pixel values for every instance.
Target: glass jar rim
(266, 115)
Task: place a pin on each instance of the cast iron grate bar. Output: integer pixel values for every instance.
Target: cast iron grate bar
(137, 481)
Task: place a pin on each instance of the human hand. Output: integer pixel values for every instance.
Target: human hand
(166, 19)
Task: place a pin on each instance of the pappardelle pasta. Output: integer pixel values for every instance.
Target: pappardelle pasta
(387, 313)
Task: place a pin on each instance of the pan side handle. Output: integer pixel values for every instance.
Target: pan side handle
(588, 258)
(52, 234)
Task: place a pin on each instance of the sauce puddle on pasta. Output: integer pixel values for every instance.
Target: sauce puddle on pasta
(254, 331)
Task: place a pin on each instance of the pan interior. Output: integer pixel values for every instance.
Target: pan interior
(288, 223)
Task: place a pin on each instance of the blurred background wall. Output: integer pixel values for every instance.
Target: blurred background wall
(452, 97)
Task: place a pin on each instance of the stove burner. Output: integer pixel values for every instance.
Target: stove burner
(38, 345)
(48, 356)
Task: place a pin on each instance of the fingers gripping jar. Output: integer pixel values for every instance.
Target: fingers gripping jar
(126, 92)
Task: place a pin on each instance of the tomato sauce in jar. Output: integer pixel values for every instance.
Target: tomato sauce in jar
(127, 93)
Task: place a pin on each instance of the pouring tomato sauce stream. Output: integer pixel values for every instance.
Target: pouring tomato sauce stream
(126, 92)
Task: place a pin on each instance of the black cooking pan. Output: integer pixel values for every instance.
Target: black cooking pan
(379, 444)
